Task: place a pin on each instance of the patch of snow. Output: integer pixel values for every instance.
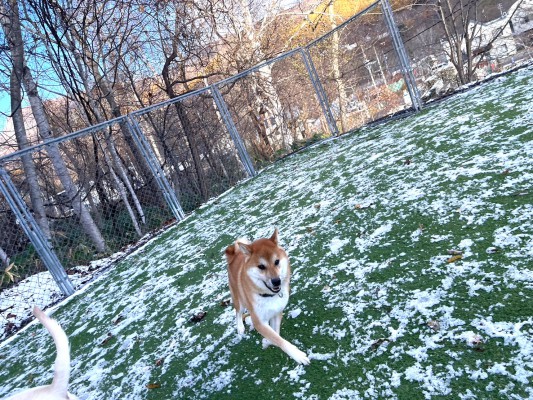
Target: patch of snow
(294, 313)
(336, 244)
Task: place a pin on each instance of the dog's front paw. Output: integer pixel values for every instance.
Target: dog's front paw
(240, 325)
(297, 355)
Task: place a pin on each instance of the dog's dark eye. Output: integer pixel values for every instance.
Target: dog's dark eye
(276, 262)
(261, 266)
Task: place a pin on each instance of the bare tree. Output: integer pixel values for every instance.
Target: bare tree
(337, 75)
(183, 37)
(249, 32)
(74, 196)
(11, 26)
(464, 34)
(86, 49)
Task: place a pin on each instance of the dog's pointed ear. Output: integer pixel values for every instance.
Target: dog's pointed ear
(243, 247)
(274, 236)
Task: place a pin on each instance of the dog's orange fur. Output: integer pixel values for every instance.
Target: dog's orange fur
(259, 275)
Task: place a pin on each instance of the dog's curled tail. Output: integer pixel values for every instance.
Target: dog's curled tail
(62, 363)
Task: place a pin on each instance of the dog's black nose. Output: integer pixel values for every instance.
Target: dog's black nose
(276, 281)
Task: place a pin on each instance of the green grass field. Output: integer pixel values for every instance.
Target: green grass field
(378, 303)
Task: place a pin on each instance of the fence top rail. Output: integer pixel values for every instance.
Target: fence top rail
(280, 57)
(145, 110)
(218, 84)
(339, 27)
(60, 139)
(168, 102)
(102, 125)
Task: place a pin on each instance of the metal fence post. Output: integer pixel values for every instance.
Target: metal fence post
(232, 129)
(34, 233)
(157, 171)
(319, 90)
(405, 63)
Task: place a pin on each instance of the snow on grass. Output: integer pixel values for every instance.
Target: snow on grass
(40, 289)
(368, 220)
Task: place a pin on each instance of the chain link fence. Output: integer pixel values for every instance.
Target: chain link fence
(361, 70)
(193, 147)
(105, 187)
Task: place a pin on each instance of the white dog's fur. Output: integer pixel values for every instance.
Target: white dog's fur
(57, 390)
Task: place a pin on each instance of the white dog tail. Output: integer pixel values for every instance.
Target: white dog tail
(62, 363)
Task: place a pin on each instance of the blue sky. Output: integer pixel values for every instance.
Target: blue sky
(4, 108)
(5, 104)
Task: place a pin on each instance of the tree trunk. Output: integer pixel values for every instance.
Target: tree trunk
(11, 26)
(73, 194)
(27, 161)
(337, 76)
(43, 126)
(123, 195)
(108, 95)
(188, 132)
(4, 260)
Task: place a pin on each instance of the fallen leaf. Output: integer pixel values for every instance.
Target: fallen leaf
(160, 361)
(107, 339)
(119, 319)
(10, 315)
(454, 258)
(198, 316)
(361, 206)
(477, 344)
(153, 385)
(378, 343)
(225, 303)
(435, 325)
(338, 221)
(326, 288)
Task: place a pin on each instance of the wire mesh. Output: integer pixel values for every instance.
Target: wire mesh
(194, 148)
(275, 109)
(24, 279)
(108, 183)
(495, 41)
(360, 71)
(99, 189)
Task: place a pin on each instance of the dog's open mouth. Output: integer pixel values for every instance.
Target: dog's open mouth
(274, 289)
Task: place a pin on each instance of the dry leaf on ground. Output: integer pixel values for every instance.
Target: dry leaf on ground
(198, 316)
(153, 385)
(454, 259)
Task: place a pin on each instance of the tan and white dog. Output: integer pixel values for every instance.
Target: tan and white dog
(259, 274)
(57, 390)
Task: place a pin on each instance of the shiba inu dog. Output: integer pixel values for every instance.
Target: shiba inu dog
(57, 390)
(259, 274)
